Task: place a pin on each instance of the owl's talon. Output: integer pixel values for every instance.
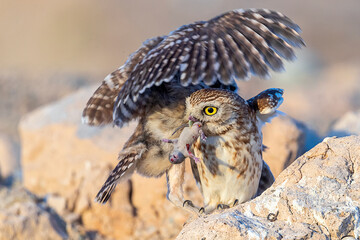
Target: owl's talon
(222, 206)
(272, 217)
(236, 202)
(189, 206)
(202, 210)
(188, 202)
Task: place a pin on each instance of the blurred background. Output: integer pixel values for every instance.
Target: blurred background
(50, 49)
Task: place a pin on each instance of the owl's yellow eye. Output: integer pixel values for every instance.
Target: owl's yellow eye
(210, 110)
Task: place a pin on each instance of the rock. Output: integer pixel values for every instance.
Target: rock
(23, 216)
(284, 140)
(62, 157)
(347, 125)
(58, 203)
(9, 161)
(316, 197)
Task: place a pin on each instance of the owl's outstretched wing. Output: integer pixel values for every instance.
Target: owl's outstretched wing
(230, 46)
(99, 108)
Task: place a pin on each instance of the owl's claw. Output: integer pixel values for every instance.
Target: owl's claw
(201, 210)
(188, 205)
(236, 202)
(222, 206)
(188, 202)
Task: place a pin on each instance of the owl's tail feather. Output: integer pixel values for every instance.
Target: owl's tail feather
(104, 195)
(123, 170)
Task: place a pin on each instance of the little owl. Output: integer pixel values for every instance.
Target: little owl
(152, 87)
(231, 157)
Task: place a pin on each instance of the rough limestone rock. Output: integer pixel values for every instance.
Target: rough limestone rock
(284, 139)
(67, 162)
(316, 197)
(347, 125)
(23, 216)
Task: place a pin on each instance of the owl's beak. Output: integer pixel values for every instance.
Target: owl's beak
(194, 119)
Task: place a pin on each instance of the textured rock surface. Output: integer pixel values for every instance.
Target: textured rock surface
(23, 216)
(347, 125)
(317, 197)
(284, 139)
(68, 162)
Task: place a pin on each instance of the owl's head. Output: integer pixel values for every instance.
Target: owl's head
(216, 109)
(219, 110)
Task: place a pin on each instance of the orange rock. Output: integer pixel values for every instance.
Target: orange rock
(284, 139)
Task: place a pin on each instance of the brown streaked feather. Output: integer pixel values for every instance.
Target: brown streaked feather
(127, 159)
(209, 94)
(273, 15)
(267, 101)
(196, 174)
(257, 34)
(99, 108)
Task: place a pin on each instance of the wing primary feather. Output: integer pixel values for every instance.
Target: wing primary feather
(200, 70)
(241, 66)
(212, 64)
(271, 58)
(251, 54)
(233, 45)
(226, 71)
(194, 58)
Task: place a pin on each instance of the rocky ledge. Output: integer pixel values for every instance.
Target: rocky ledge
(64, 163)
(316, 197)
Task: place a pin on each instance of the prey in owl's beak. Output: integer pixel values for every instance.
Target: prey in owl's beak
(183, 144)
(180, 127)
(192, 120)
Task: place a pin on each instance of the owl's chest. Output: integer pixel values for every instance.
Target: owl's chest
(230, 167)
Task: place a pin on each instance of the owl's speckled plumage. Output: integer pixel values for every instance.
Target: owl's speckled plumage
(231, 158)
(153, 83)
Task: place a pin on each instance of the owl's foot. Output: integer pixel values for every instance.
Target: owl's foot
(189, 206)
(222, 206)
(188, 202)
(202, 210)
